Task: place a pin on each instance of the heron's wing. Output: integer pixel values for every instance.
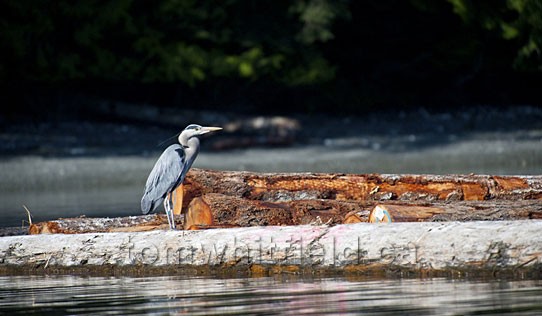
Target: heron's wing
(164, 177)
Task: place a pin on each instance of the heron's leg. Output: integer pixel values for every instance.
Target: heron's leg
(171, 215)
(169, 211)
(166, 207)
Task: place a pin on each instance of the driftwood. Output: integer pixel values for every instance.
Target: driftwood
(450, 248)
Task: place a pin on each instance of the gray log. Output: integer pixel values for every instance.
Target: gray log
(428, 246)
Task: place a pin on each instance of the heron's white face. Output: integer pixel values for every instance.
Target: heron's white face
(196, 130)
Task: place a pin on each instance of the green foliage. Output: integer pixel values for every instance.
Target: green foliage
(529, 23)
(317, 17)
(167, 40)
(341, 53)
(517, 20)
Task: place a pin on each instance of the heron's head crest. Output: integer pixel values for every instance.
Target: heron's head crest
(193, 126)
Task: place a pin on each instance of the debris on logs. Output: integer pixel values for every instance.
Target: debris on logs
(218, 199)
(215, 210)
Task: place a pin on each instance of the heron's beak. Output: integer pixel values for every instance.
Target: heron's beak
(207, 129)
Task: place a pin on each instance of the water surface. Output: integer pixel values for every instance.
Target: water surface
(285, 295)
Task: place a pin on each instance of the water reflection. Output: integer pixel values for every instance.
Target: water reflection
(265, 296)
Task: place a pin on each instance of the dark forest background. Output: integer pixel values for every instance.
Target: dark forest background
(342, 57)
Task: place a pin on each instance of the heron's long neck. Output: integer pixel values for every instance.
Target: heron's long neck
(191, 148)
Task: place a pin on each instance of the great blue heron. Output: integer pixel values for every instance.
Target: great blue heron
(170, 169)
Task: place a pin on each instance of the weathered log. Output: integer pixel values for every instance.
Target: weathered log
(495, 210)
(453, 247)
(219, 209)
(282, 187)
(79, 225)
(215, 210)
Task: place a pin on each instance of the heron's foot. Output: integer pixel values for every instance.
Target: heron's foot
(172, 223)
(170, 219)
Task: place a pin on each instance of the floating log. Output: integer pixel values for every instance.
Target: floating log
(219, 209)
(282, 187)
(79, 225)
(303, 213)
(216, 210)
(450, 248)
(241, 199)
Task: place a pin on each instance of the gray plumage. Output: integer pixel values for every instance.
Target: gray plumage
(168, 173)
(170, 170)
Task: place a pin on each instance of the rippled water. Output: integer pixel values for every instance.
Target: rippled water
(265, 296)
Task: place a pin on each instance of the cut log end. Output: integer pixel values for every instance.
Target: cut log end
(403, 213)
(198, 215)
(356, 217)
(178, 196)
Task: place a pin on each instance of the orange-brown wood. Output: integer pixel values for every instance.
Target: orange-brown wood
(356, 217)
(474, 192)
(80, 225)
(243, 199)
(198, 214)
(178, 195)
(360, 187)
(510, 183)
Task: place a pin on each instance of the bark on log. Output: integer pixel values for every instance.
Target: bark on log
(232, 199)
(282, 187)
(496, 210)
(79, 225)
(217, 210)
(403, 213)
